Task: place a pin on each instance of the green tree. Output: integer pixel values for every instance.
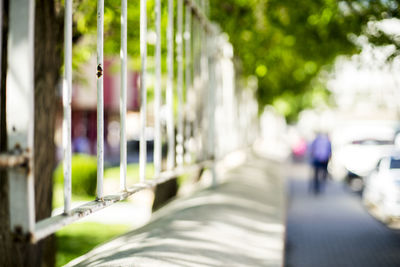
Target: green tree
(286, 43)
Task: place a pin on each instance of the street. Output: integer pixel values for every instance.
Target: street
(333, 228)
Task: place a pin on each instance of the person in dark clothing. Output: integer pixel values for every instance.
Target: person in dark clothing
(320, 154)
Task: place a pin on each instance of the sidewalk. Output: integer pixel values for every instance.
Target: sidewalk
(238, 223)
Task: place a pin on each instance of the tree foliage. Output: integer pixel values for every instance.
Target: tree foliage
(286, 43)
(85, 25)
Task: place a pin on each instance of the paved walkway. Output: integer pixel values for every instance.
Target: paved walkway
(238, 223)
(334, 229)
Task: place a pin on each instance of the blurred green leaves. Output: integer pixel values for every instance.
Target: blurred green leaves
(283, 43)
(84, 175)
(286, 43)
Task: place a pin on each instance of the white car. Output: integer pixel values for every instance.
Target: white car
(382, 188)
(356, 149)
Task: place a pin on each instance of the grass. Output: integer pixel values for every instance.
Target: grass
(132, 173)
(109, 174)
(79, 238)
(58, 196)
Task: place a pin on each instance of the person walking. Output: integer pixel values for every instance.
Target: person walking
(320, 154)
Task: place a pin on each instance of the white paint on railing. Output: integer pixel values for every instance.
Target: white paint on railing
(143, 90)
(52, 224)
(100, 99)
(196, 89)
(122, 103)
(188, 81)
(170, 85)
(204, 72)
(200, 16)
(212, 89)
(157, 94)
(20, 112)
(179, 62)
(67, 96)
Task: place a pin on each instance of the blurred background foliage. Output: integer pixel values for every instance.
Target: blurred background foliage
(85, 30)
(284, 43)
(84, 178)
(287, 43)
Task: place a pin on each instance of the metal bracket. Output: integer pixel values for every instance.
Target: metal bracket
(20, 236)
(14, 160)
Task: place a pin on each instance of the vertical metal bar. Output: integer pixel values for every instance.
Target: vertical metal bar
(122, 101)
(67, 95)
(143, 90)
(100, 100)
(212, 89)
(201, 110)
(157, 94)
(20, 112)
(179, 61)
(207, 8)
(200, 96)
(196, 87)
(188, 76)
(170, 82)
(204, 92)
(209, 87)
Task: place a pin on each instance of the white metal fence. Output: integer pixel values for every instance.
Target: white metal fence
(212, 117)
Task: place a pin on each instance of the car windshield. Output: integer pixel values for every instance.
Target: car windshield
(395, 163)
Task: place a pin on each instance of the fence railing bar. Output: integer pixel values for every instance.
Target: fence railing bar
(20, 100)
(199, 14)
(50, 225)
(122, 104)
(179, 62)
(170, 85)
(157, 94)
(212, 90)
(196, 87)
(188, 78)
(8, 160)
(143, 90)
(67, 96)
(100, 99)
(204, 92)
(202, 6)
(196, 75)
(207, 8)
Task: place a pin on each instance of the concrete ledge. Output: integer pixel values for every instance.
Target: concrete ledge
(241, 222)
